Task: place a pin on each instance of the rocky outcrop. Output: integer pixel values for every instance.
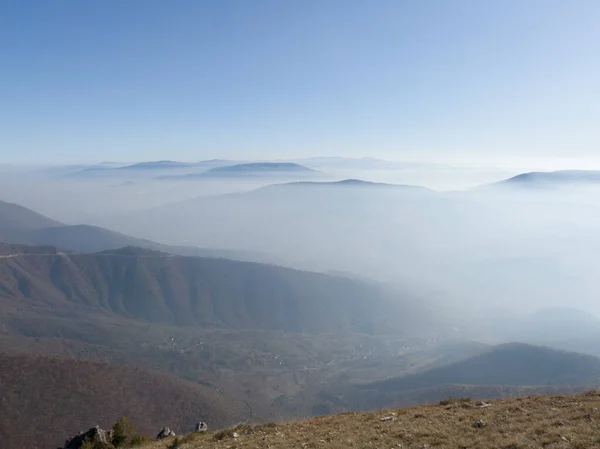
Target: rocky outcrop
(165, 433)
(102, 439)
(95, 435)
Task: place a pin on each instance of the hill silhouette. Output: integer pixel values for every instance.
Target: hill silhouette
(513, 364)
(260, 167)
(19, 225)
(508, 370)
(13, 216)
(153, 165)
(554, 178)
(46, 400)
(145, 167)
(358, 183)
(252, 169)
(262, 220)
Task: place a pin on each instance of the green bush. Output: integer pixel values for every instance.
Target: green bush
(124, 434)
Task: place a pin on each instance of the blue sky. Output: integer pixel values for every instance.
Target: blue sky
(419, 80)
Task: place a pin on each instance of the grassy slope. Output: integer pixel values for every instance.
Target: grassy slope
(558, 422)
(44, 400)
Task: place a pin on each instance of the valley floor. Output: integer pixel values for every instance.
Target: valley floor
(529, 422)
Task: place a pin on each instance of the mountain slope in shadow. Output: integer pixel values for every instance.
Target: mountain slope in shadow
(508, 364)
(46, 400)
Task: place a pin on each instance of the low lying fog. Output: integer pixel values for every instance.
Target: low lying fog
(505, 249)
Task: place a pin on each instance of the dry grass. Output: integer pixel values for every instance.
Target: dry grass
(532, 422)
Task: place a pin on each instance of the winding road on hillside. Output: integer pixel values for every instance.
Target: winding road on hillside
(13, 256)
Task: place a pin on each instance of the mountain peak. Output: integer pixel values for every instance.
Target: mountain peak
(351, 182)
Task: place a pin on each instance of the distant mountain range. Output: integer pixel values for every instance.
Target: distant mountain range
(210, 170)
(261, 167)
(166, 165)
(255, 169)
(156, 165)
(147, 168)
(365, 163)
(174, 170)
(350, 183)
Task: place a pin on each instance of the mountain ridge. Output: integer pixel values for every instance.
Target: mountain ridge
(350, 182)
(251, 169)
(16, 216)
(191, 291)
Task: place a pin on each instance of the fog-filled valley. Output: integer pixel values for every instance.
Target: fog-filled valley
(491, 245)
(509, 247)
(284, 289)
